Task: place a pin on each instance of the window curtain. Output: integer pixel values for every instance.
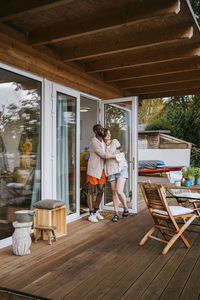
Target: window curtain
(62, 151)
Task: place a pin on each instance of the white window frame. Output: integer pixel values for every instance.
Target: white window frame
(8, 241)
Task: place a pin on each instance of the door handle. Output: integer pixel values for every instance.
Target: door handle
(132, 162)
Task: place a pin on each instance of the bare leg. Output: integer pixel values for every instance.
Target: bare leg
(100, 190)
(91, 189)
(115, 196)
(120, 190)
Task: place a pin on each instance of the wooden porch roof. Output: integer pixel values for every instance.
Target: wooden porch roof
(148, 48)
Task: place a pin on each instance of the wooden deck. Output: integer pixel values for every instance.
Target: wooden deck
(104, 261)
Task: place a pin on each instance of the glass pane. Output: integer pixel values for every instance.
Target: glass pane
(88, 118)
(118, 121)
(19, 146)
(66, 151)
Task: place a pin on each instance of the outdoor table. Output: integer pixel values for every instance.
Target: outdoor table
(182, 187)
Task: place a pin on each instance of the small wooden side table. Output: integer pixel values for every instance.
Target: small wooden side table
(49, 218)
(51, 233)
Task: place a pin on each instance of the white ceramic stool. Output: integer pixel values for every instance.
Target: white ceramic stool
(21, 239)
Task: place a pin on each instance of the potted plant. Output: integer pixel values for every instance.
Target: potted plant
(197, 175)
(191, 174)
(185, 176)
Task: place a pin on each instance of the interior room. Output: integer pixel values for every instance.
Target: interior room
(88, 118)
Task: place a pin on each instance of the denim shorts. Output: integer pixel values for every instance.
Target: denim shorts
(123, 174)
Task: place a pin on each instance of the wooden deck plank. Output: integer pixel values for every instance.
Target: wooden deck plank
(104, 252)
(140, 283)
(126, 288)
(98, 274)
(191, 290)
(76, 244)
(104, 261)
(158, 275)
(111, 282)
(9, 258)
(48, 262)
(180, 277)
(72, 242)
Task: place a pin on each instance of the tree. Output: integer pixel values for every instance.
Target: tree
(149, 110)
(23, 115)
(183, 116)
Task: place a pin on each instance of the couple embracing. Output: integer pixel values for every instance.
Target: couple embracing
(106, 159)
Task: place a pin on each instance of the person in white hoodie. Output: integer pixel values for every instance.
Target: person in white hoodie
(117, 173)
(95, 172)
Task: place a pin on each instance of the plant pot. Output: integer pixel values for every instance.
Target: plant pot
(24, 216)
(187, 182)
(191, 181)
(197, 181)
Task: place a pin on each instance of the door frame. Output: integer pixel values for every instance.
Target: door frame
(134, 147)
(76, 94)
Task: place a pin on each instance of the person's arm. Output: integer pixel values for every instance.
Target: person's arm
(109, 156)
(98, 149)
(120, 156)
(120, 148)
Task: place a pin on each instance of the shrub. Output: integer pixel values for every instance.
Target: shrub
(195, 157)
(197, 172)
(159, 124)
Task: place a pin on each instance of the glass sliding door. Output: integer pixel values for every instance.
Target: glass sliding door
(120, 117)
(20, 102)
(66, 106)
(88, 118)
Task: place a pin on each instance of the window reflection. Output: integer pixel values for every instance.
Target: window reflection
(19, 146)
(66, 150)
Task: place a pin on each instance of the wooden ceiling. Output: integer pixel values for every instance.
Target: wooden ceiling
(149, 48)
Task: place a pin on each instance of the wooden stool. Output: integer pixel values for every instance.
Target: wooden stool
(41, 229)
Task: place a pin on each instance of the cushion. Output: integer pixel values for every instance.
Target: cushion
(175, 210)
(15, 185)
(48, 204)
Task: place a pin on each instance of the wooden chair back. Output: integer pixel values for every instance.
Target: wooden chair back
(154, 196)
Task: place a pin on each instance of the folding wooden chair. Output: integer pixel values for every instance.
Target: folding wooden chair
(165, 216)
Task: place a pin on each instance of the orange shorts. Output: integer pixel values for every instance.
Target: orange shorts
(95, 181)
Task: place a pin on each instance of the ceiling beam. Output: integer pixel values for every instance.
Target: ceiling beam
(160, 79)
(165, 87)
(185, 64)
(170, 94)
(12, 8)
(12, 33)
(142, 56)
(132, 40)
(104, 20)
(26, 58)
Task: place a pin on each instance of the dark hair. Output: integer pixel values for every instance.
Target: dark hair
(105, 131)
(95, 127)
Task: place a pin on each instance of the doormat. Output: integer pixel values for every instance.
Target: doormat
(105, 214)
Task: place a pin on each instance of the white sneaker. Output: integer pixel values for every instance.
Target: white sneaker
(98, 216)
(92, 218)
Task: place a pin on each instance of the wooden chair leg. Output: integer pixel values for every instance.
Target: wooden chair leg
(196, 208)
(37, 235)
(53, 232)
(179, 234)
(49, 237)
(145, 238)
